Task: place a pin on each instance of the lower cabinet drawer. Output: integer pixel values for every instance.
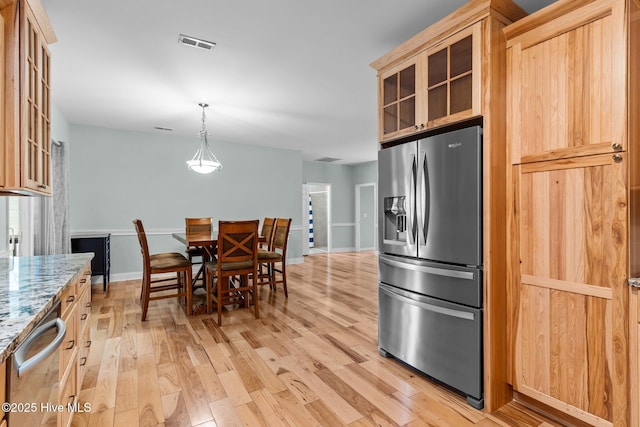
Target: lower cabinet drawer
(68, 348)
(68, 397)
(83, 357)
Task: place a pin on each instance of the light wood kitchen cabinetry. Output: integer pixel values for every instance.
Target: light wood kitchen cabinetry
(399, 104)
(25, 140)
(76, 312)
(484, 88)
(452, 89)
(571, 146)
(438, 85)
(3, 393)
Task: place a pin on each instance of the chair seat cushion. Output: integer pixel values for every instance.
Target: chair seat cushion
(230, 266)
(169, 262)
(166, 255)
(268, 255)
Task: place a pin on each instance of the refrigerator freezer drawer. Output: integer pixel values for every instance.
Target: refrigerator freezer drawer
(441, 339)
(462, 285)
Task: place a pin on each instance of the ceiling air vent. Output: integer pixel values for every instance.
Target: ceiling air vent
(327, 159)
(195, 42)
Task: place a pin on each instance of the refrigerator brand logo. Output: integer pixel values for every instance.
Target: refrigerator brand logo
(456, 145)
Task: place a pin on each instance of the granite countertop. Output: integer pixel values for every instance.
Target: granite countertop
(29, 287)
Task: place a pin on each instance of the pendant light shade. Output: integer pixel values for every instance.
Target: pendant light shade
(204, 161)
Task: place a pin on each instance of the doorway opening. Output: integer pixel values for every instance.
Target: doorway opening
(318, 213)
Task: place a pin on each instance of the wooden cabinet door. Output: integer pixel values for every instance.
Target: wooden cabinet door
(567, 85)
(571, 312)
(36, 114)
(450, 89)
(398, 103)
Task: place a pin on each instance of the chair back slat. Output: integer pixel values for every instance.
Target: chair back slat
(267, 231)
(281, 234)
(237, 241)
(198, 225)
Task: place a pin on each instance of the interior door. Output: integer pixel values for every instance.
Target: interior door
(571, 325)
(365, 216)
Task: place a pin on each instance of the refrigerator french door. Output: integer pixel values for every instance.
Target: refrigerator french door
(431, 198)
(430, 264)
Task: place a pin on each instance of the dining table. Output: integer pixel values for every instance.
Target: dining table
(208, 241)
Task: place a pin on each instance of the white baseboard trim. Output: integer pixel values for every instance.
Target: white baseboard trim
(337, 250)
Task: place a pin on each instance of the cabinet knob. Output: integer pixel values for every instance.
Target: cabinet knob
(617, 158)
(72, 344)
(616, 146)
(421, 125)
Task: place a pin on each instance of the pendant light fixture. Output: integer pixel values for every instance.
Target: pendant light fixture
(204, 160)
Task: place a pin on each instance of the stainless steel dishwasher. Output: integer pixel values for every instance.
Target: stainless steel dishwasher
(33, 374)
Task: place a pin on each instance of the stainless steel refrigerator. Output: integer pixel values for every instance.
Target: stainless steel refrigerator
(430, 264)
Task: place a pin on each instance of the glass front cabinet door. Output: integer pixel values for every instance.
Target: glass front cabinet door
(451, 86)
(399, 106)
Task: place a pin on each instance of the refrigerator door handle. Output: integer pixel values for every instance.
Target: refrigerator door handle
(411, 234)
(425, 197)
(466, 275)
(414, 299)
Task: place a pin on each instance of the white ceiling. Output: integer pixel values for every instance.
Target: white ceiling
(285, 73)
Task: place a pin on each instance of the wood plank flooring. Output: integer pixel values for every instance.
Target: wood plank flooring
(310, 360)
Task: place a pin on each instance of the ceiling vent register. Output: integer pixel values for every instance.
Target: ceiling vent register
(195, 42)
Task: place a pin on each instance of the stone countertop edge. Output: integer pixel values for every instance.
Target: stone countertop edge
(29, 287)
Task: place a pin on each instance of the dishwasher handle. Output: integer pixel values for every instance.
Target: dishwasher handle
(22, 365)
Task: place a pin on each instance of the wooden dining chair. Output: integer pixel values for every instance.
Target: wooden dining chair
(197, 225)
(277, 253)
(237, 257)
(162, 263)
(267, 232)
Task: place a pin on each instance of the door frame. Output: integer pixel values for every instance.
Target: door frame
(375, 215)
(305, 215)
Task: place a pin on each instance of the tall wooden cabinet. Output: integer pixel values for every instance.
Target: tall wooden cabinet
(572, 98)
(25, 140)
(454, 71)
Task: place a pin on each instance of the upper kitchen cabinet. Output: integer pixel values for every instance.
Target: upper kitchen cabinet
(400, 110)
(443, 75)
(567, 85)
(452, 89)
(25, 140)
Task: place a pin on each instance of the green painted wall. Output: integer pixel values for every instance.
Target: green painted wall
(117, 176)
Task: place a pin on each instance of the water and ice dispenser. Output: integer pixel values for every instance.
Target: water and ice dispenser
(395, 219)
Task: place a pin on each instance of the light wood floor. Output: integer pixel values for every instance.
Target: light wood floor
(310, 360)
